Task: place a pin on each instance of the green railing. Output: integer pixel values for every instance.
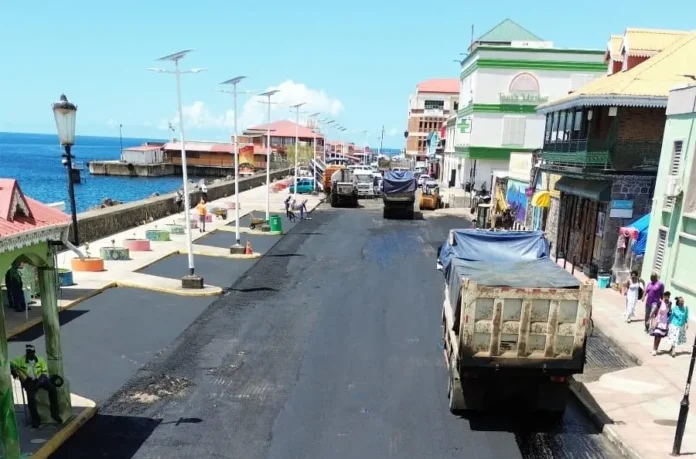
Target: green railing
(596, 154)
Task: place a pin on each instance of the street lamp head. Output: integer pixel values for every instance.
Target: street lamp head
(196, 70)
(234, 80)
(156, 69)
(298, 105)
(314, 114)
(65, 113)
(175, 56)
(270, 93)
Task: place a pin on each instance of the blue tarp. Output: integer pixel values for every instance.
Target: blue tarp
(641, 225)
(517, 259)
(484, 245)
(399, 182)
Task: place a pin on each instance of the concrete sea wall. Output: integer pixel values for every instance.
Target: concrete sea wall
(97, 224)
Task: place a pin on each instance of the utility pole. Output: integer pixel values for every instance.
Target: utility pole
(381, 141)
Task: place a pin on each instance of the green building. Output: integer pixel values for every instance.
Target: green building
(671, 246)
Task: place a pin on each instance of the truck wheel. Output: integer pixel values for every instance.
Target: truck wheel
(334, 200)
(385, 213)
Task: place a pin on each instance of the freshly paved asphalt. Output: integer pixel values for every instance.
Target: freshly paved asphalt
(224, 239)
(329, 347)
(107, 338)
(217, 271)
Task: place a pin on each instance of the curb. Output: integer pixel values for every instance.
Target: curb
(599, 418)
(206, 291)
(65, 433)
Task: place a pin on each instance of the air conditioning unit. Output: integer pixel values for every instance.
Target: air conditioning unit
(673, 187)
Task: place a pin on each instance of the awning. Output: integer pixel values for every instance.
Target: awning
(541, 199)
(597, 190)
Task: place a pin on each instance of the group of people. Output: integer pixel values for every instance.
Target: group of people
(290, 205)
(664, 317)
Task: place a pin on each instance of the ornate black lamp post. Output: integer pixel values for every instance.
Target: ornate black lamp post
(65, 113)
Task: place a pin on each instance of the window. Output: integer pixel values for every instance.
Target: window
(660, 251)
(675, 164)
(524, 83)
(547, 133)
(434, 104)
(513, 130)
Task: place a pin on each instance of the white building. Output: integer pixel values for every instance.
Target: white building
(507, 73)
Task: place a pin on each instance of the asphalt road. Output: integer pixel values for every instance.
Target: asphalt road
(329, 347)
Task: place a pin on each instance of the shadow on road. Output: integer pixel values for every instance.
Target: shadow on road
(37, 330)
(253, 289)
(284, 255)
(110, 437)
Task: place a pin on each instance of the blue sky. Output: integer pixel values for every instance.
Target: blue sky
(356, 61)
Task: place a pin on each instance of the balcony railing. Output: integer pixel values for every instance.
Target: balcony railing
(597, 154)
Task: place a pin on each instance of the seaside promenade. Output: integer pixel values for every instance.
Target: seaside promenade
(158, 272)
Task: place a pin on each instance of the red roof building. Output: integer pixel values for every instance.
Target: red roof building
(24, 221)
(283, 136)
(434, 101)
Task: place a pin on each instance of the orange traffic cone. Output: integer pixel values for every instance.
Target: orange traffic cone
(247, 249)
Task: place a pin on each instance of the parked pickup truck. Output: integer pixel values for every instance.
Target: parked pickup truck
(398, 193)
(515, 323)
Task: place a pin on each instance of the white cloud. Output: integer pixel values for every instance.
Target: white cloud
(198, 116)
(255, 113)
(392, 132)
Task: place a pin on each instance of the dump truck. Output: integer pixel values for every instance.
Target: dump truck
(326, 178)
(344, 188)
(366, 183)
(399, 194)
(430, 198)
(515, 324)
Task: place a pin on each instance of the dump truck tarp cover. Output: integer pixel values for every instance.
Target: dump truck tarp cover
(399, 182)
(517, 259)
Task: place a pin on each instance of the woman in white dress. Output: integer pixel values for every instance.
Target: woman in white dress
(632, 292)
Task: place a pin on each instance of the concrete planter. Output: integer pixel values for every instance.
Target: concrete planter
(157, 235)
(65, 277)
(89, 264)
(175, 229)
(137, 245)
(114, 253)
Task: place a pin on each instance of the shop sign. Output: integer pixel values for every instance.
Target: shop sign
(464, 125)
(522, 98)
(621, 208)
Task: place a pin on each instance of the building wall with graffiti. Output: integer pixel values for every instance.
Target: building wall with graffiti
(517, 199)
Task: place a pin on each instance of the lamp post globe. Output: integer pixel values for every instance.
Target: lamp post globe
(65, 113)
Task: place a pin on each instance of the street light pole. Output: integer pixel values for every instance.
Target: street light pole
(314, 150)
(65, 114)
(268, 154)
(684, 407)
(237, 247)
(191, 280)
(297, 143)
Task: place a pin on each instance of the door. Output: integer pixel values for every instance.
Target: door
(453, 177)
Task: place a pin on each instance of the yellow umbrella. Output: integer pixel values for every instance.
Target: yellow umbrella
(541, 199)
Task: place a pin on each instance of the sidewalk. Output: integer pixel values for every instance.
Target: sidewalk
(638, 407)
(125, 272)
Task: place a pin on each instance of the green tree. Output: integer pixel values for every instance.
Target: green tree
(304, 154)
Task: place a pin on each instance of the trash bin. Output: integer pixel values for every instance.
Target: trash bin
(276, 224)
(603, 280)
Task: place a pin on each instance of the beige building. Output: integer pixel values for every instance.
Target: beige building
(429, 107)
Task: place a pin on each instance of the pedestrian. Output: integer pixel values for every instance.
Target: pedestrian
(32, 373)
(653, 293)
(660, 317)
(678, 324)
(288, 209)
(204, 190)
(15, 287)
(303, 210)
(179, 200)
(633, 291)
(202, 214)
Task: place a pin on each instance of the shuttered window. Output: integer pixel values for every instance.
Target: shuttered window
(674, 168)
(513, 130)
(660, 251)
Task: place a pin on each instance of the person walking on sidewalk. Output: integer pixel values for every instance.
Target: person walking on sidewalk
(653, 293)
(660, 317)
(633, 291)
(202, 213)
(678, 323)
(288, 209)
